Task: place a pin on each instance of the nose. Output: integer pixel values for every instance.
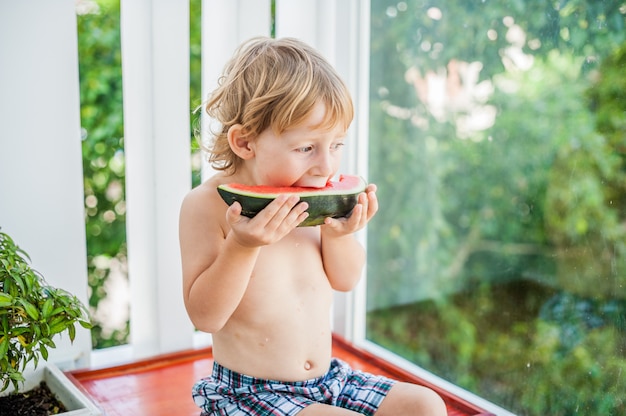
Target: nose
(324, 164)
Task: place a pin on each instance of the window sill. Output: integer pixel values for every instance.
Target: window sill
(162, 385)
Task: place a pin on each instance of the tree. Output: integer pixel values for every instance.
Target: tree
(103, 152)
(490, 164)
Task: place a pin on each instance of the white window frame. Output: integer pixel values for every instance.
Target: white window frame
(155, 71)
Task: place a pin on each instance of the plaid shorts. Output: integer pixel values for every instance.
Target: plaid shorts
(228, 393)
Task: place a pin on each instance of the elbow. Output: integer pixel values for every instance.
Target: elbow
(206, 321)
(206, 315)
(209, 329)
(344, 280)
(343, 283)
(208, 325)
(343, 286)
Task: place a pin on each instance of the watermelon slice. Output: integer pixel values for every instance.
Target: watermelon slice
(336, 199)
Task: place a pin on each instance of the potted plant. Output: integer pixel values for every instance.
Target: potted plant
(31, 313)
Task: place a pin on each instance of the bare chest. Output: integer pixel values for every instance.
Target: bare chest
(289, 276)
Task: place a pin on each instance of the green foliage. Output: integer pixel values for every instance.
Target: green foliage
(103, 145)
(587, 380)
(586, 196)
(195, 82)
(532, 193)
(31, 314)
(454, 196)
(103, 150)
(515, 341)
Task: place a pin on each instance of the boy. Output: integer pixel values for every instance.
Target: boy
(262, 286)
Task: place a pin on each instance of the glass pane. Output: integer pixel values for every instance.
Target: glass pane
(99, 48)
(104, 169)
(498, 143)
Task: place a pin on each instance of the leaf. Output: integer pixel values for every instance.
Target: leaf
(47, 308)
(57, 311)
(4, 347)
(44, 352)
(31, 310)
(22, 341)
(86, 324)
(72, 332)
(19, 282)
(58, 327)
(5, 300)
(38, 329)
(16, 376)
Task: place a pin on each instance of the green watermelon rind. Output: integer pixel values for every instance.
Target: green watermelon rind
(323, 202)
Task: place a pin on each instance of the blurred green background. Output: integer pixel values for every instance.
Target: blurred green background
(498, 144)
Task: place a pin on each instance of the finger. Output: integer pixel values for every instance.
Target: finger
(297, 214)
(334, 223)
(303, 215)
(350, 223)
(358, 219)
(233, 212)
(363, 205)
(285, 212)
(274, 208)
(372, 204)
(293, 219)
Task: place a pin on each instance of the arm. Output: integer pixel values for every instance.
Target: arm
(342, 254)
(218, 257)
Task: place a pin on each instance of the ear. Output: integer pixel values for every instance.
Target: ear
(239, 143)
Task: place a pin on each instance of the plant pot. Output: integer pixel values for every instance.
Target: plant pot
(74, 400)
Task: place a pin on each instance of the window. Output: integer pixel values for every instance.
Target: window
(102, 128)
(498, 258)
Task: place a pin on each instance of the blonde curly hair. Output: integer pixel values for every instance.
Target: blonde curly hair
(273, 83)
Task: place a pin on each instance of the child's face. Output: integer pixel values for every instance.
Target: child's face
(300, 156)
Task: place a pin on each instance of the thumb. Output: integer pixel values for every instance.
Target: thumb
(233, 212)
(331, 222)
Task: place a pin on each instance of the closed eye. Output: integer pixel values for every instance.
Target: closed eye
(336, 146)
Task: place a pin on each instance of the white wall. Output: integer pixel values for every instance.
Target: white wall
(41, 187)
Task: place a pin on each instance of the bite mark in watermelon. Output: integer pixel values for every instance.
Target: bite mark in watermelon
(335, 200)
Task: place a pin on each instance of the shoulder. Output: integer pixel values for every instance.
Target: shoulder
(205, 195)
(203, 203)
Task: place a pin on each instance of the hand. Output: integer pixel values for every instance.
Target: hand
(364, 210)
(270, 225)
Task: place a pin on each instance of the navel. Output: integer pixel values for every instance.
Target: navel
(308, 365)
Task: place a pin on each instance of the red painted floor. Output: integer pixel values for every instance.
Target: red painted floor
(162, 385)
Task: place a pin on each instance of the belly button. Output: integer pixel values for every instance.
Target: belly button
(307, 365)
